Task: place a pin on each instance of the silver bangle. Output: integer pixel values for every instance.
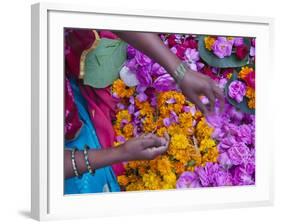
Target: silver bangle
(74, 167)
(180, 72)
(86, 156)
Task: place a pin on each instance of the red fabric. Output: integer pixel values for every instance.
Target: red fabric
(101, 106)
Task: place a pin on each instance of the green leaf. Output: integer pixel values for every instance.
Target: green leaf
(103, 64)
(227, 62)
(243, 106)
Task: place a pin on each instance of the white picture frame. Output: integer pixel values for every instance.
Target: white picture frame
(48, 201)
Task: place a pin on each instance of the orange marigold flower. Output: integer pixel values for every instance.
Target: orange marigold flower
(209, 42)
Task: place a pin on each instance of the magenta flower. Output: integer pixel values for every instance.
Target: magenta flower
(238, 41)
(144, 77)
(142, 59)
(131, 52)
(192, 57)
(164, 83)
(237, 90)
(222, 47)
(157, 70)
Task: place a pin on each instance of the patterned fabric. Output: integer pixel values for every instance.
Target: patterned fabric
(104, 178)
(98, 102)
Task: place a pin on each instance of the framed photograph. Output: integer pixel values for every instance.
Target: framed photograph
(148, 111)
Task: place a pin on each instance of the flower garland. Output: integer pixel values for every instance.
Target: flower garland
(224, 46)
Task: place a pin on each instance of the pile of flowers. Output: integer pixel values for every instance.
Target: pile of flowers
(226, 46)
(203, 151)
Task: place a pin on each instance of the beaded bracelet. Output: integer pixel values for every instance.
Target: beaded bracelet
(180, 71)
(74, 167)
(86, 156)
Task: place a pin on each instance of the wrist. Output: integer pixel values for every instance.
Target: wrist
(180, 72)
(121, 153)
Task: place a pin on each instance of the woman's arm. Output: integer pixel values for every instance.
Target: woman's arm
(142, 148)
(193, 84)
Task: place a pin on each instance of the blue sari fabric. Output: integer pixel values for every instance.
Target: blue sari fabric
(104, 179)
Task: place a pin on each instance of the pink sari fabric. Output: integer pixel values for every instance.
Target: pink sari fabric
(101, 105)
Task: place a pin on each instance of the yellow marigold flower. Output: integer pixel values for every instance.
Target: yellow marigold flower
(148, 124)
(251, 95)
(179, 167)
(161, 131)
(209, 41)
(164, 165)
(174, 129)
(128, 130)
(170, 101)
(203, 130)
(252, 103)
(136, 186)
(179, 141)
(123, 115)
(121, 90)
(244, 72)
(132, 165)
(170, 178)
(122, 180)
(151, 181)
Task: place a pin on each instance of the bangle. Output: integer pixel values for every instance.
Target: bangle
(180, 71)
(74, 167)
(86, 156)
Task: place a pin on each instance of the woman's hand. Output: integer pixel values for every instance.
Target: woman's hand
(146, 147)
(194, 85)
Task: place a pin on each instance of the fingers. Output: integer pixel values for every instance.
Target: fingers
(220, 96)
(199, 104)
(156, 151)
(151, 140)
(211, 96)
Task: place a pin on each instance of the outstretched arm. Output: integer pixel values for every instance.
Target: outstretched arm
(141, 148)
(192, 85)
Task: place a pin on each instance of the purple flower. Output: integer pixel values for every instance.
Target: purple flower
(222, 178)
(121, 106)
(157, 70)
(244, 134)
(192, 56)
(239, 153)
(131, 52)
(226, 143)
(164, 83)
(238, 41)
(171, 101)
(222, 47)
(144, 77)
(120, 138)
(174, 117)
(142, 97)
(187, 180)
(237, 90)
(131, 108)
(241, 177)
(224, 160)
(167, 121)
(252, 51)
(142, 59)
